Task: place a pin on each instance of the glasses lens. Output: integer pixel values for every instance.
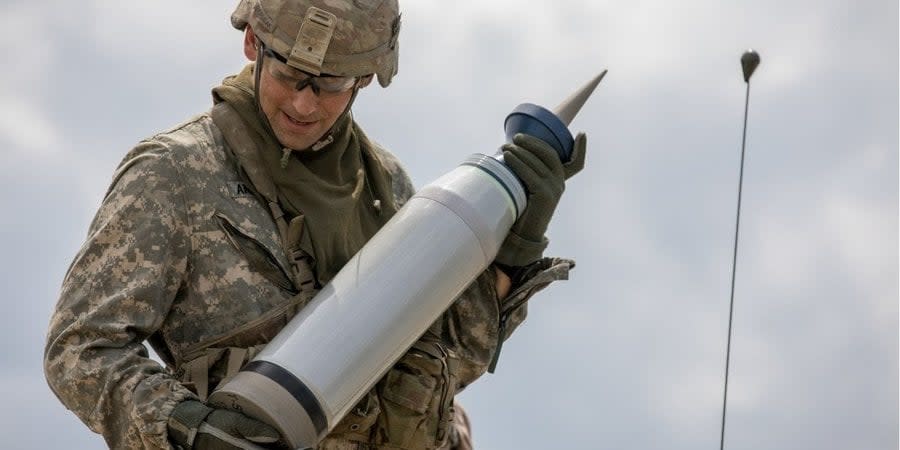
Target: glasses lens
(291, 77)
(334, 84)
(283, 72)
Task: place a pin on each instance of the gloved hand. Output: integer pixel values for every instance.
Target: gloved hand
(537, 165)
(196, 426)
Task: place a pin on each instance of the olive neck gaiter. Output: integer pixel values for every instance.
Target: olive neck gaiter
(342, 190)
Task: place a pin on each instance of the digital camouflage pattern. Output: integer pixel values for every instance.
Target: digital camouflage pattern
(183, 255)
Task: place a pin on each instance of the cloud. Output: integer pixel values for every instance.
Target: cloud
(28, 422)
(25, 129)
(24, 126)
(629, 352)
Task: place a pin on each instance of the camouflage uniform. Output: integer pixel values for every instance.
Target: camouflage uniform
(183, 254)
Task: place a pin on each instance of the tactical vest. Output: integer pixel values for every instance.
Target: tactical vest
(410, 408)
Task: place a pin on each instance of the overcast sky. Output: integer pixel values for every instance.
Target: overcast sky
(629, 353)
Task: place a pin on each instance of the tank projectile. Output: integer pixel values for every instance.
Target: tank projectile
(551, 126)
(338, 346)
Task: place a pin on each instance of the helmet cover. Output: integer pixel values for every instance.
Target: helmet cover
(336, 37)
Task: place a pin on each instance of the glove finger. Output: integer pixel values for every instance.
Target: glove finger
(546, 153)
(239, 425)
(210, 437)
(576, 160)
(255, 431)
(531, 179)
(540, 180)
(534, 163)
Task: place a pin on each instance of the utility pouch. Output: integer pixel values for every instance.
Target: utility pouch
(213, 366)
(258, 257)
(206, 365)
(417, 398)
(357, 424)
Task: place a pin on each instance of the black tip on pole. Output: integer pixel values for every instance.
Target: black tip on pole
(749, 61)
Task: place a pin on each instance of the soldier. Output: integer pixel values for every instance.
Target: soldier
(216, 232)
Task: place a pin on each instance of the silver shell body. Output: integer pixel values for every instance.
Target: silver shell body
(383, 300)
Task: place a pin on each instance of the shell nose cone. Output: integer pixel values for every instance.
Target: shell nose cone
(568, 109)
(749, 62)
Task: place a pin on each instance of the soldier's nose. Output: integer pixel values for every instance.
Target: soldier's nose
(305, 102)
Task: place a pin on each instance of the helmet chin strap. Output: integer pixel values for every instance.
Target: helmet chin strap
(257, 71)
(326, 138)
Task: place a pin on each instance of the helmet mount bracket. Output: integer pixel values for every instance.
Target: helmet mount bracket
(311, 45)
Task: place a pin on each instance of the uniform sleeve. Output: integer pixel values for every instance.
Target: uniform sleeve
(477, 323)
(116, 294)
(402, 188)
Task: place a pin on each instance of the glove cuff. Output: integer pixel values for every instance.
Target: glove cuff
(185, 420)
(517, 251)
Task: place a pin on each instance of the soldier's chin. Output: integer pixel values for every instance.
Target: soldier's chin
(295, 140)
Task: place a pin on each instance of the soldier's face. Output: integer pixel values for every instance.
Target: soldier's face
(298, 118)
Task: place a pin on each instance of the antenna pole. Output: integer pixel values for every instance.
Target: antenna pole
(749, 62)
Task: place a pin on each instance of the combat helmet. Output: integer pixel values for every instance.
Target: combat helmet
(336, 37)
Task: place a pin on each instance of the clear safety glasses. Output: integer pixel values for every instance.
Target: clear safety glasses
(290, 77)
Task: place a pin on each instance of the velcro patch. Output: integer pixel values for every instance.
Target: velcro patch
(238, 189)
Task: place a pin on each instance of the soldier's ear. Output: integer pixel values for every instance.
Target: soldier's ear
(249, 44)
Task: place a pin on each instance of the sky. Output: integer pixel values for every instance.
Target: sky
(630, 352)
